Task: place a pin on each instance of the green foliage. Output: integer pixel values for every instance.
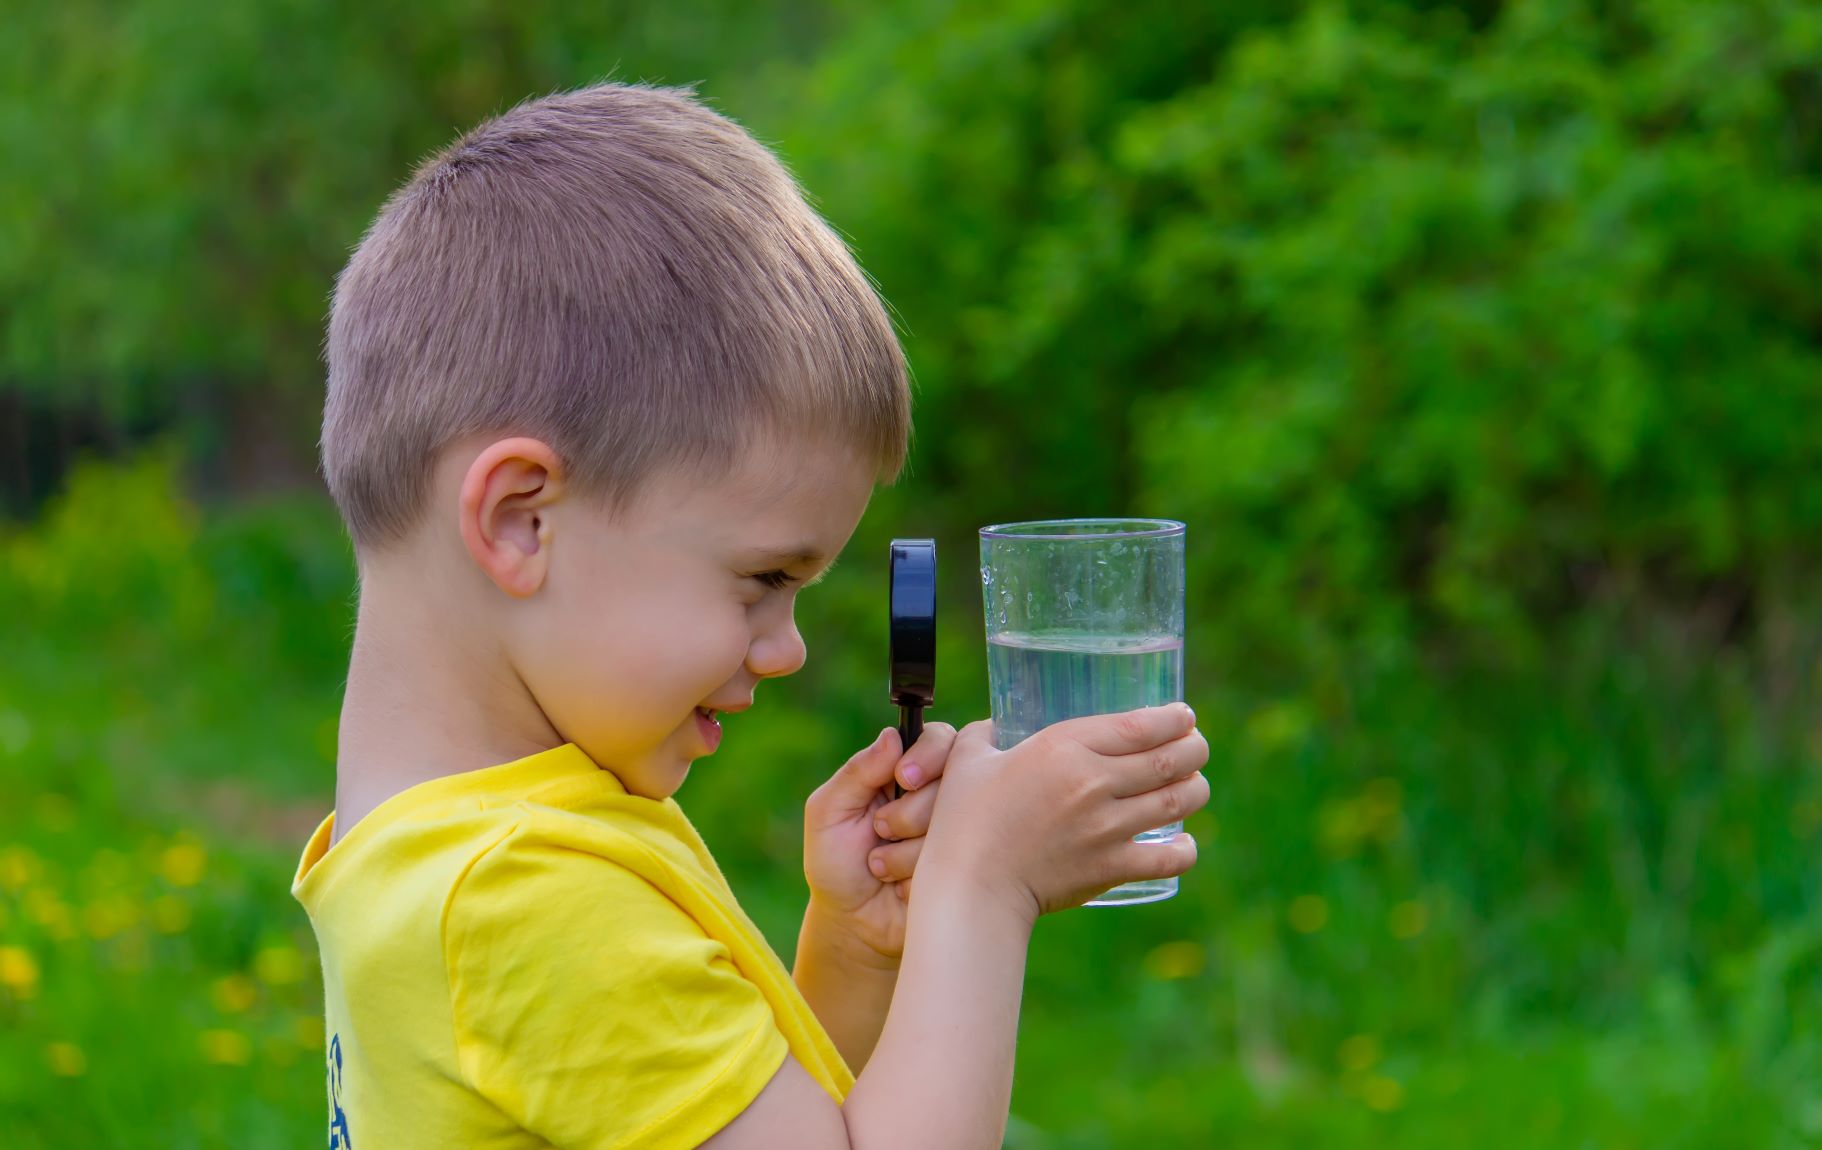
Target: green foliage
(1422, 327)
(1477, 345)
(1535, 908)
(183, 183)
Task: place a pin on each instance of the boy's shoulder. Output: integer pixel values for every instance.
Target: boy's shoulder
(552, 830)
(556, 861)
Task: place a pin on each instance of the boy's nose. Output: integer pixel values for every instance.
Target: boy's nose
(781, 652)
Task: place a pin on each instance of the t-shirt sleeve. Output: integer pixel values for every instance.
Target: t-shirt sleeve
(593, 1011)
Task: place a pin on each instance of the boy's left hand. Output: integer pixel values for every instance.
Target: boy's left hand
(860, 878)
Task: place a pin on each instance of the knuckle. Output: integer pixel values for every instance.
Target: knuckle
(1129, 726)
(1082, 790)
(1175, 802)
(1163, 766)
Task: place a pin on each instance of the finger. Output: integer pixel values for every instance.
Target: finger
(895, 861)
(1127, 732)
(1136, 774)
(854, 786)
(1168, 804)
(1141, 862)
(926, 758)
(906, 818)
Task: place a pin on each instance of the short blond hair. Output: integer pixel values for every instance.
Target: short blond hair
(619, 271)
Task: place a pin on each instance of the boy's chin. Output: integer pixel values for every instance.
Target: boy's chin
(661, 776)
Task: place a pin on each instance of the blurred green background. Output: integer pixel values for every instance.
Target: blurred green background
(1479, 345)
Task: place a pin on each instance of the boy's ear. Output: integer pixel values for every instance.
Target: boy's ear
(506, 497)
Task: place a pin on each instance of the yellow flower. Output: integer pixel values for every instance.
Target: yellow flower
(1309, 914)
(66, 1059)
(1359, 1052)
(279, 965)
(1408, 919)
(18, 970)
(1382, 1094)
(226, 1047)
(18, 867)
(1175, 960)
(182, 863)
(234, 993)
(47, 910)
(109, 916)
(170, 914)
(1278, 725)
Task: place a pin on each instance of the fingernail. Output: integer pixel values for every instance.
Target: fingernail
(912, 775)
(881, 740)
(880, 829)
(878, 866)
(1191, 712)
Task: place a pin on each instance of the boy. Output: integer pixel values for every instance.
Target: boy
(604, 394)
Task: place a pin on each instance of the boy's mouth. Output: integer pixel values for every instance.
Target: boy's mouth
(708, 727)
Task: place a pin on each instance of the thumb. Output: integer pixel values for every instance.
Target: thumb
(980, 731)
(868, 770)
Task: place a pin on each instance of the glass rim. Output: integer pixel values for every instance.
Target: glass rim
(1154, 529)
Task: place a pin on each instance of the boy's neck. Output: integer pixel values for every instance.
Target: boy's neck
(426, 697)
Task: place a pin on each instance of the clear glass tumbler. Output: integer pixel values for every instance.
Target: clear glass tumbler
(1084, 617)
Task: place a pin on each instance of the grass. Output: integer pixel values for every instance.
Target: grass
(1560, 906)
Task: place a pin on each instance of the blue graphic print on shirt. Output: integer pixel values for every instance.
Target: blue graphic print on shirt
(339, 1138)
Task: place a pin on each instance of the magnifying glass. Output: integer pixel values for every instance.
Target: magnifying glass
(913, 635)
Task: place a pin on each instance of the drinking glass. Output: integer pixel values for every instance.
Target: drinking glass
(1084, 617)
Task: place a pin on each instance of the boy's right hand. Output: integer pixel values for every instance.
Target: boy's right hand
(1049, 824)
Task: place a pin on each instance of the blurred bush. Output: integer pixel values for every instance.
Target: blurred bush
(1439, 323)
(1478, 345)
(1433, 328)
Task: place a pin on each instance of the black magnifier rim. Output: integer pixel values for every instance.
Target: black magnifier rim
(912, 640)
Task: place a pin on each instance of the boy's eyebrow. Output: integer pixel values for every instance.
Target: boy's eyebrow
(805, 556)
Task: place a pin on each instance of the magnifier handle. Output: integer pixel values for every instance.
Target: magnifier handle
(910, 729)
(910, 723)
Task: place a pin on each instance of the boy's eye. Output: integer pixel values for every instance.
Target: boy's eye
(776, 580)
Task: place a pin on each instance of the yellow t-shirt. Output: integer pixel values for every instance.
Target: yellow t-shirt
(527, 955)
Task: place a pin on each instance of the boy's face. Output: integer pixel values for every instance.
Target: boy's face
(646, 617)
